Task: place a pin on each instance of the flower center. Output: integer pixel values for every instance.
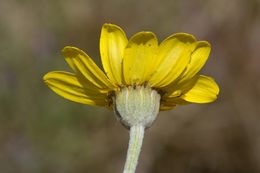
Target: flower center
(137, 105)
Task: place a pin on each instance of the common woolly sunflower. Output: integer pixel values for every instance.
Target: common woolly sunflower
(141, 78)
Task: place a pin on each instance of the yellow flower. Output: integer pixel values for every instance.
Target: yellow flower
(141, 78)
(169, 68)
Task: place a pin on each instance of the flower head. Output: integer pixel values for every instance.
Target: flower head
(169, 68)
(141, 78)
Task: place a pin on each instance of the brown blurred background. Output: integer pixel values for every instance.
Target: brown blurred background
(40, 132)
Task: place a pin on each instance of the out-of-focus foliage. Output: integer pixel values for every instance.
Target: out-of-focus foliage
(42, 132)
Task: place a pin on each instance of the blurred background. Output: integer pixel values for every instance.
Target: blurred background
(42, 132)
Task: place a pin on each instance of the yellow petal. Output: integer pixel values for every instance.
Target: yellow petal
(139, 58)
(112, 44)
(170, 103)
(198, 58)
(68, 86)
(203, 90)
(173, 56)
(84, 66)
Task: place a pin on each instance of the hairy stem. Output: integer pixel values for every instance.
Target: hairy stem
(134, 148)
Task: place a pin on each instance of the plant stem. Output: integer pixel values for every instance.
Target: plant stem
(134, 148)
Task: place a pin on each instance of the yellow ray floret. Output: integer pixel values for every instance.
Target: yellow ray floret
(68, 86)
(139, 58)
(112, 44)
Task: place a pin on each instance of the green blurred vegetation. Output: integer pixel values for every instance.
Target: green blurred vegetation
(42, 132)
